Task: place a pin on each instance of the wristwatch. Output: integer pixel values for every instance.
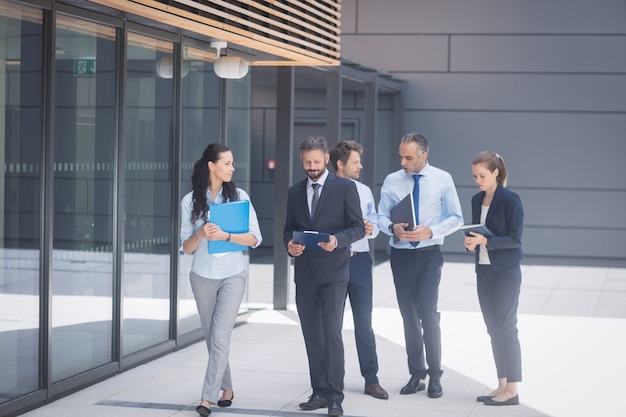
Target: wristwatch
(228, 238)
(391, 228)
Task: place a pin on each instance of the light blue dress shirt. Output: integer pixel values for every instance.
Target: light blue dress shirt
(222, 265)
(439, 206)
(368, 209)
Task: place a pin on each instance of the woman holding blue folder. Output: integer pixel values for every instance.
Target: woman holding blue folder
(218, 280)
(498, 272)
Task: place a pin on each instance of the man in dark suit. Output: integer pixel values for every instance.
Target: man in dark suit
(324, 203)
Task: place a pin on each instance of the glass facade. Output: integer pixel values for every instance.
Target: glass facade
(101, 121)
(21, 115)
(83, 178)
(148, 194)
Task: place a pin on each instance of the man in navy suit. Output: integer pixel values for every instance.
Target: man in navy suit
(322, 273)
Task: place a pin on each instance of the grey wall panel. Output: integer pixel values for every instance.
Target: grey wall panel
(267, 231)
(541, 82)
(386, 149)
(490, 16)
(385, 101)
(269, 145)
(262, 196)
(348, 16)
(573, 243)
(543, 150)
(257, 162)
(581, 210)
(561, 223)
(527, 92)
(263, 97)
(538, 53)
(310, 99)
(398, 52)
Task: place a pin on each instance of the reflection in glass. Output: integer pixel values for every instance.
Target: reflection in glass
(238, 103)
(84, 137)
(148, 202)
(201, 113)
(238, 110)
(20, 188)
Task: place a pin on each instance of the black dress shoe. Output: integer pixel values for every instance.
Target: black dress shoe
(510, 401)
(376, 391)
(434, 387)
(483, 398)
(226, 403)
(413, 386)
(315, 401)
(203, 411)
(334, 409)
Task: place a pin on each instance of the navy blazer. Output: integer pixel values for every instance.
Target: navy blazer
(338, 213)
(505, 219)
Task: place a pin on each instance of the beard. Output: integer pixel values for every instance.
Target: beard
(315, 174)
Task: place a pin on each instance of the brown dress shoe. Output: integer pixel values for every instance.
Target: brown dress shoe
(376, 391)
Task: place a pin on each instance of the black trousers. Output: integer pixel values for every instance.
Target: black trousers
(416, 275)
(498, 294)
(320, 308)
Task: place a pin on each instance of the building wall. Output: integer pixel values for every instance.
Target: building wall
(541, 83)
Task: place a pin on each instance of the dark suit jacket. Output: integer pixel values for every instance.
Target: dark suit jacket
(338, 213)
(505, 219)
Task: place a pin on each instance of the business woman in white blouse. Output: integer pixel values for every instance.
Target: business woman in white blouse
(218, 281)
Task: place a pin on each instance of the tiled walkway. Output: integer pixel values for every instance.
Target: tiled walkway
(572, 329)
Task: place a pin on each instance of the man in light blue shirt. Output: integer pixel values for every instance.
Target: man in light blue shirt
(415, 257)
(345, 157)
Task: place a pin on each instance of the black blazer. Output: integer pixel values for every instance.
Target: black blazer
(505, 219)
(338, 213)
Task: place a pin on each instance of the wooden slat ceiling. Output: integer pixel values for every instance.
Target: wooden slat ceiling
(287, 32)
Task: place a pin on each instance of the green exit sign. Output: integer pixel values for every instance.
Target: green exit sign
(84, 67)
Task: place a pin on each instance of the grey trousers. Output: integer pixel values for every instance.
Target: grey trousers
(218, 302)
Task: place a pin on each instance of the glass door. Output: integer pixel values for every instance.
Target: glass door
(148, 199)
(83, 171)
(21, 65)
(200, 126)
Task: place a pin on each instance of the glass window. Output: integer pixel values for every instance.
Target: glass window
(200, 126)
(238, 102)
(20, 203)
(238, 109)
(148, 202)
(84, 149)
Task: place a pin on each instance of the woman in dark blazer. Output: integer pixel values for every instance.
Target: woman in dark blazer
(498, 270)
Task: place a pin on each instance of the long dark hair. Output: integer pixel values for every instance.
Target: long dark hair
(200, 181)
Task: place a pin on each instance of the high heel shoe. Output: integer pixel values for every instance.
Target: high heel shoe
(226, 403)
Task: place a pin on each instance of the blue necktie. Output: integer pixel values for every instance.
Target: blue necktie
(416, 201)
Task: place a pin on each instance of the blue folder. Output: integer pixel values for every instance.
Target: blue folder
(310, 238)
(231, 217)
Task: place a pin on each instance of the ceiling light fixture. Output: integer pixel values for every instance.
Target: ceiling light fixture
(230, 67)
(165, 67)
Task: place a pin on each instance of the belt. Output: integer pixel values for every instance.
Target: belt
(353, 253)
(426, 248)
